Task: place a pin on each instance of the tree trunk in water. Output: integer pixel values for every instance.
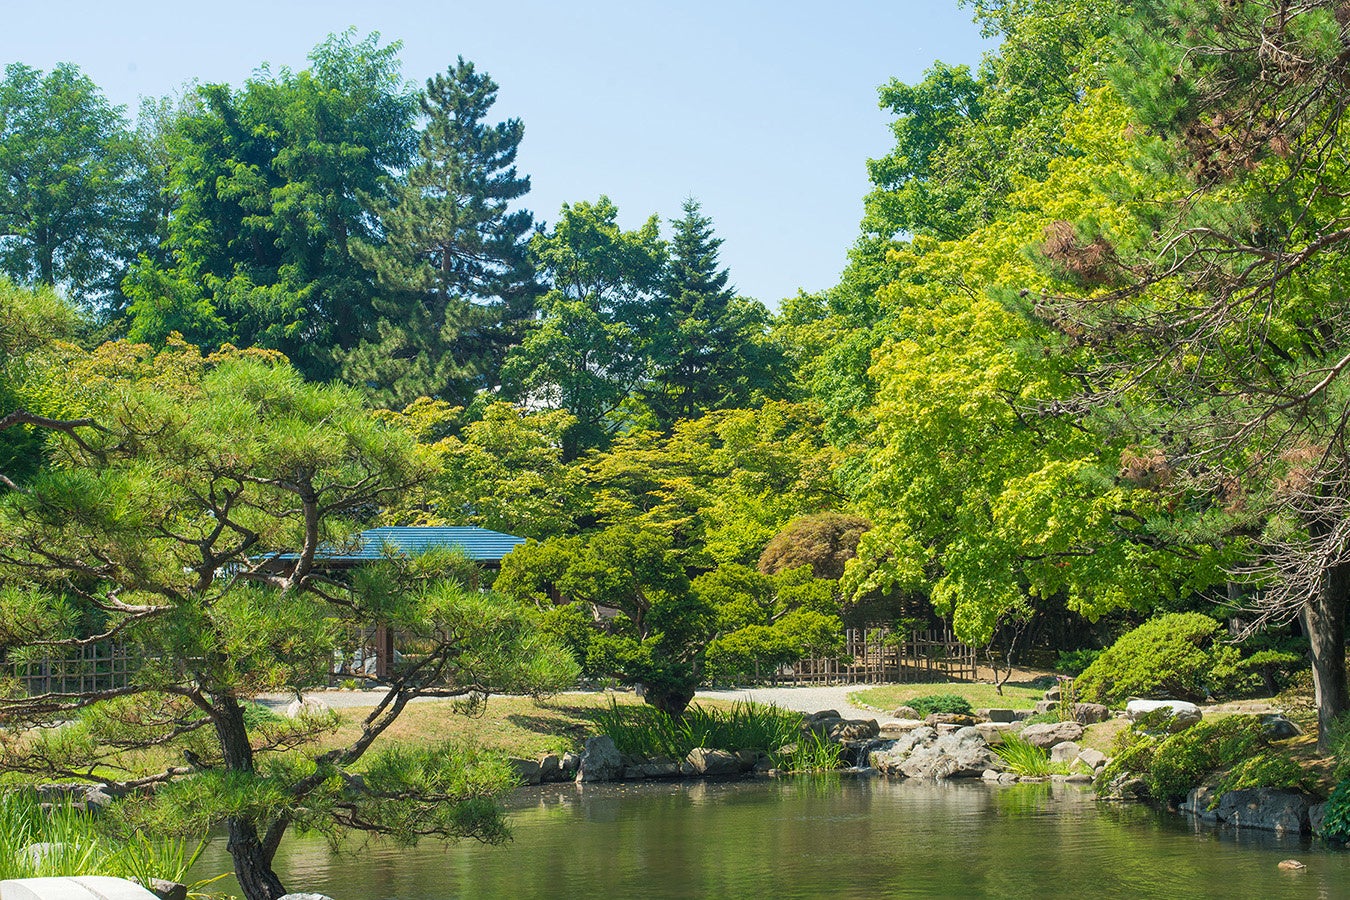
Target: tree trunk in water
(252, 861)
(1324, 617)
(251, 865)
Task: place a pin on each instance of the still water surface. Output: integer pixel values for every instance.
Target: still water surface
(821, 837)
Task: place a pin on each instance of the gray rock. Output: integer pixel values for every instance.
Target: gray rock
(1317, 818)
(43, 850)
(1048, 734)
(1198, 803)
(550, 767)
(853, 730)
(1045, 706)
(989, 775)
(527, 770)
(1266, 809)
(634, 773)
(1090, 713)
(1053, 694)
(905, 712)
(961, 754)
(1183, 714)
(706, 761)
(1125, 787)
(571, 764)
(309, 706)
(1093, 758)
(1078, 778)
(1001, 715)
(600, 760)
(992, 732)
(957, 719)
(165, 890)
(1064, 752)
(1278, 728)
(661, 767)
(1007, 778)
(892, 730)
(746, 760)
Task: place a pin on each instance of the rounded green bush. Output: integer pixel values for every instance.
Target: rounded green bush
(940, 703)
(1177, 656)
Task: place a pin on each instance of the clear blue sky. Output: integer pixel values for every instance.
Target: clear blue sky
(766, 112)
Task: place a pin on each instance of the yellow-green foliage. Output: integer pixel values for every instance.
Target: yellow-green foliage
(1178, 656)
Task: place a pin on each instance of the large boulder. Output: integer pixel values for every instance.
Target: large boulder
(923, 753)
(706, 761)
(958, 719)
(1183, 714)
(1047, 734)
(853, 730)
(905, 712)
(1093, 758)
(1064, 752)
(1267, 809)
(1278, 728)
(600, 760)
(550, 767)
(529, 771)
(1090, 713)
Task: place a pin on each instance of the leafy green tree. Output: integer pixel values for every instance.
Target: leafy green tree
(503, 471)
(654, 630)
(722, 485)
(269, 182)
(708, 347)
(587, 353)
(983, 497)
(453, 263)
(71, 184)
(187, 520)
(1223, 337)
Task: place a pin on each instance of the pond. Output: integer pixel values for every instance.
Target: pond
(822, 837)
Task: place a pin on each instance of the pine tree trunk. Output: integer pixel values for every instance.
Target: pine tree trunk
(1324, 616)
(251, 866)
(252, 861)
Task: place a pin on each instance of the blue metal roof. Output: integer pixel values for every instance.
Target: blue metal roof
(479, 544)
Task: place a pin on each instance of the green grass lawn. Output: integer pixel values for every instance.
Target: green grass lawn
(1016, 695)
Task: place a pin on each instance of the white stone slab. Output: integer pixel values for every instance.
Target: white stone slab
(84, 887)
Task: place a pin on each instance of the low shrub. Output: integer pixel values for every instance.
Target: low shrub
(940, 703)
(1024, 758)
(1177, 656)
(1234, 749)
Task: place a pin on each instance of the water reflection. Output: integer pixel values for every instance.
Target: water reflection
(822, 837)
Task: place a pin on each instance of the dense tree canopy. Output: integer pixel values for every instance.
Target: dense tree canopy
(72, 184)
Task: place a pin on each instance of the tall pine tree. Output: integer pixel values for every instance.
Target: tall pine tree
(710, 351)
(457, 283)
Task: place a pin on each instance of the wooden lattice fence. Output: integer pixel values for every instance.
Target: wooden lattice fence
(879, 655)
(94, 667)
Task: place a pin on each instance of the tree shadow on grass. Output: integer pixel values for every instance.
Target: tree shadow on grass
(575, 723)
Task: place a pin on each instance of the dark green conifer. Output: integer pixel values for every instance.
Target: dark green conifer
(456, 281)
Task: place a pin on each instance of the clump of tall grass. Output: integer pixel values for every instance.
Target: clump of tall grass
(812, 752)
(1024, 758)
(646, 731)
(45, 840)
